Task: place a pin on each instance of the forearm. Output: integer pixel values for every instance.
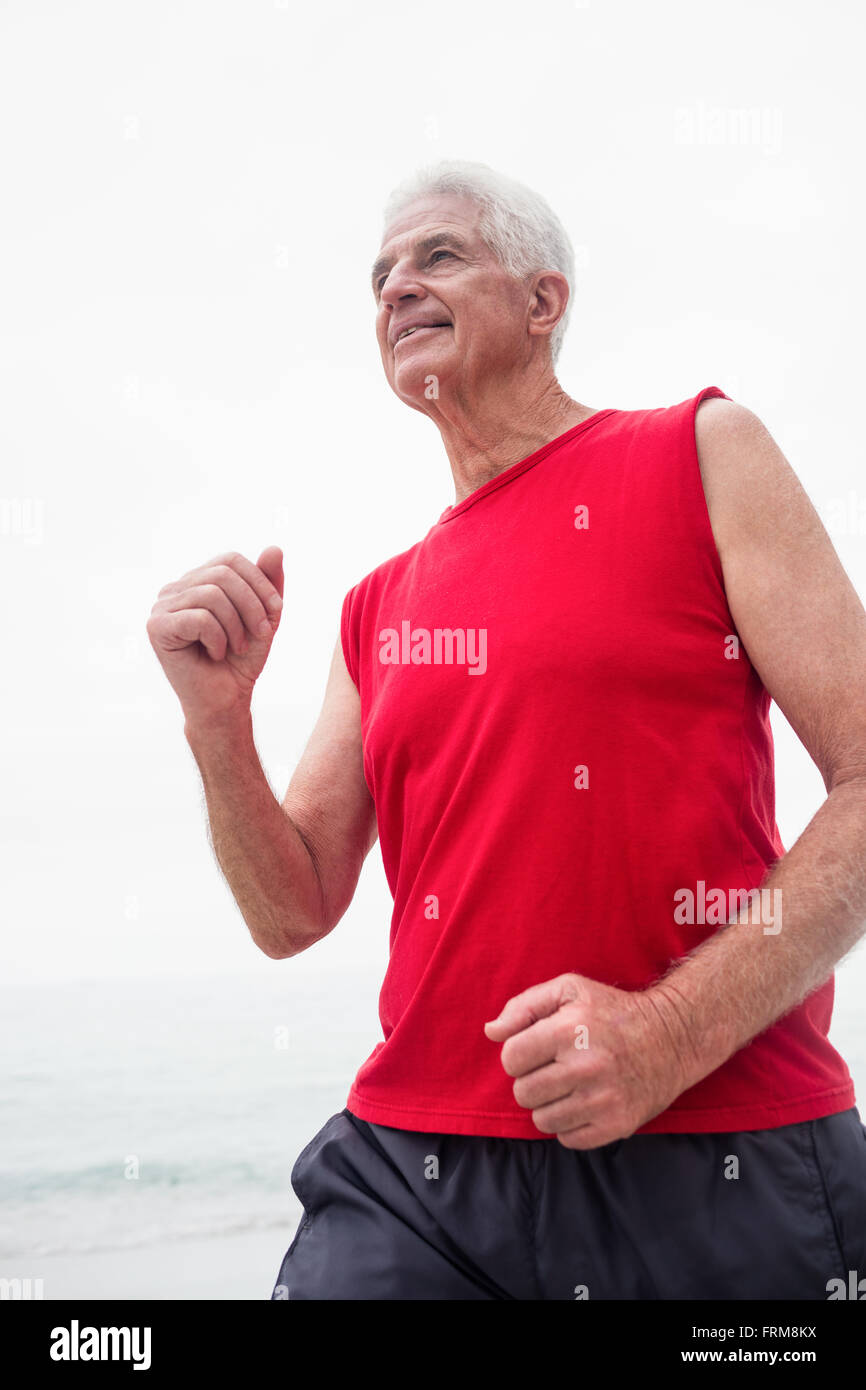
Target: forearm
(744, 978)
(259, 850)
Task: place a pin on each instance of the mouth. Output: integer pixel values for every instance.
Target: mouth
(422, 328)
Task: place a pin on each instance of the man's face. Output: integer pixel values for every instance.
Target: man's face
(435, 275)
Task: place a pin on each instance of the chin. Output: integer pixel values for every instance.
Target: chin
(416, 382)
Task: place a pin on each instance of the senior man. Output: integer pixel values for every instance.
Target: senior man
(605, 1069)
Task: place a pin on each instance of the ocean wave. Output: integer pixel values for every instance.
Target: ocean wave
(212, 1226)
(102, 1178)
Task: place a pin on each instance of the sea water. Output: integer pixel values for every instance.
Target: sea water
(138, 1112)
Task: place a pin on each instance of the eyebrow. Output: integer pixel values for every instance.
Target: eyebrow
(422, 247)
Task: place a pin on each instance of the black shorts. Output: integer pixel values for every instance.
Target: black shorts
(755, 1214)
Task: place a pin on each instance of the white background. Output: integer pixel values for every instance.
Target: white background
(191, 201)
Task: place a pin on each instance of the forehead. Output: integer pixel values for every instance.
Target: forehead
(434, 212)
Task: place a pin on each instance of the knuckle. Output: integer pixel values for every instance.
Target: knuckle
(566, 1026)
(226, 560)
(592, 1066)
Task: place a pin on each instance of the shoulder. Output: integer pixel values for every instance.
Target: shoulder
(722, 424)
(748, 483)
(385, 573)
(754, 496)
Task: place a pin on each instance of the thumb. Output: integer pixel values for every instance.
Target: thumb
(270, 562)
(522, 1010)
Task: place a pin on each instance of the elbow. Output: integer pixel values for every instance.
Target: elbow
(274, 952)
(291, 941)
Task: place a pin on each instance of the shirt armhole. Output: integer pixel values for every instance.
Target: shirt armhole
(347, 636)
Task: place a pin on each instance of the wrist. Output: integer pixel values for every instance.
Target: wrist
(228, 726)
(673, 1025)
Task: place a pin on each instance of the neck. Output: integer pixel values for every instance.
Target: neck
(508, 424)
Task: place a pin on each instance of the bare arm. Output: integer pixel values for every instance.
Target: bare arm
(293, 868)
(804, 629)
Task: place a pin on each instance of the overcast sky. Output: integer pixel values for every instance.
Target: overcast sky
(191, 201)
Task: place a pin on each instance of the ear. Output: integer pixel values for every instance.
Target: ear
(548, 301)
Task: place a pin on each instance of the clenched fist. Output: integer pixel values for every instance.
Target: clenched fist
(593, 1063)
(212, 631)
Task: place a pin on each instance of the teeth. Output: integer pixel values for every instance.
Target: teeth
(407, 331)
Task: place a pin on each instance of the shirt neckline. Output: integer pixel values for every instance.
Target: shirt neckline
(515, 469)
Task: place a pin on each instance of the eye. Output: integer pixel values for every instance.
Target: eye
(430, 260)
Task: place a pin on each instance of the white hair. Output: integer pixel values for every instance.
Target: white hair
(517, 224)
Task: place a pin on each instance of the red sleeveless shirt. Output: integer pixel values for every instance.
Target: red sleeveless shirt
(571, 761)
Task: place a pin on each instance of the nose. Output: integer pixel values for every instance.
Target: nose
(402, 283)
